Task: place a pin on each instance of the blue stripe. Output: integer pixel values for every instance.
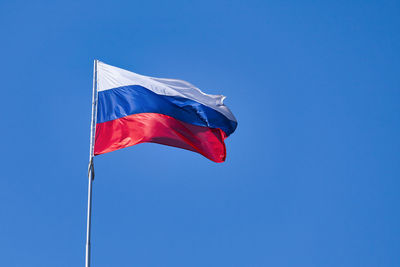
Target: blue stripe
(134, 99)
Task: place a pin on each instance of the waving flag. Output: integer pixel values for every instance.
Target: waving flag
(133, 109)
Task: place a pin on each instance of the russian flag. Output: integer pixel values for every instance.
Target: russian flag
(134, 109)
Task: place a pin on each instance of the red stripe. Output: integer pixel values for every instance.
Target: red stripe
(161, 129)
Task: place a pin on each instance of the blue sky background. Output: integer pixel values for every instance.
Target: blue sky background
(312, 173)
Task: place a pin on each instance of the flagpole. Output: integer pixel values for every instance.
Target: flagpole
(91, 166)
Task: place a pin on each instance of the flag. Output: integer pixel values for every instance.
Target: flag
(134, 109)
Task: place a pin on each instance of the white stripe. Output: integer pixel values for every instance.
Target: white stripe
(110, 77)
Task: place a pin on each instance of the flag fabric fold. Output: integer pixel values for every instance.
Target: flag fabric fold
(133, 109)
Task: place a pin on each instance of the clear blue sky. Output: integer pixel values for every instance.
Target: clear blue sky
(312, 176)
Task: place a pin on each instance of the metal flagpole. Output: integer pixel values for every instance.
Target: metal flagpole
(91, 166)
